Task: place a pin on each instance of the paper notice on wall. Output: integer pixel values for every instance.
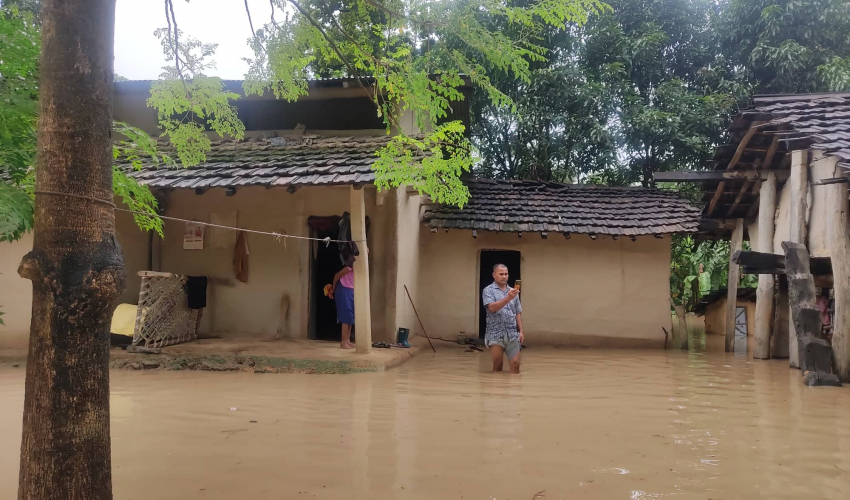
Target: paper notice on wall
(223, 239)
(193, 236)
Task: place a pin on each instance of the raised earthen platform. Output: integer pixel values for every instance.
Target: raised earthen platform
(258, 356)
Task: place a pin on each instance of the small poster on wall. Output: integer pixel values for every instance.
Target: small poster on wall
(193, 236)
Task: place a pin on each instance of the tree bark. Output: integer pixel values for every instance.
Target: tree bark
(732, 284)
(764, 293)
(75, 265)
(798, 183)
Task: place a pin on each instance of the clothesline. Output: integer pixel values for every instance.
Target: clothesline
(254, 231)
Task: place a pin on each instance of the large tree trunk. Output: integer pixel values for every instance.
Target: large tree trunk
(75, 265)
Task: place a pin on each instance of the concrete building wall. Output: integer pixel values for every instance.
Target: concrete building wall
(576, 292)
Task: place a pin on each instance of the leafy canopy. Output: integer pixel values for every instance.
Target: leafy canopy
(787, 46)
(20, 37)
(415, 54)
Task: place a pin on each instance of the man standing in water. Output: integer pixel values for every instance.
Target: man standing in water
(504, 320)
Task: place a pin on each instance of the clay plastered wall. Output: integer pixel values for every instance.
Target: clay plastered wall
(576, 292)
(408, 268)
(253, 308)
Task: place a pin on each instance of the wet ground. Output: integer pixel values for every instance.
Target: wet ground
(578, 424)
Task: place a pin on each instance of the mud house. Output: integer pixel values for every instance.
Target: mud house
(594, 261)
(712, 308)
(783, 178)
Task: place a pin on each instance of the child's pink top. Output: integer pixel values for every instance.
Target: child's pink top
(348, 279)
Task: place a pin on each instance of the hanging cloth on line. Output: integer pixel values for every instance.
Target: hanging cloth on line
(240, 257)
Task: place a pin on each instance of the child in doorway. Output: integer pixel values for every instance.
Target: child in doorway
(343, 294)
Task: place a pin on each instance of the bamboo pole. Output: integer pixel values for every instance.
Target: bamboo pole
(418, 319)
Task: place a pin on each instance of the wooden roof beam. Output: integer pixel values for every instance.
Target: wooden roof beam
(742, 146)
(741, 192)
(719, 175)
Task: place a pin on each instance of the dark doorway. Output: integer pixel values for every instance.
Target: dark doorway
(326, 263)
(490, 258)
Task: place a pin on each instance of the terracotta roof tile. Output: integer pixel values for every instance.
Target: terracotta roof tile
(821, 119)
(512, 206)
(279, 161)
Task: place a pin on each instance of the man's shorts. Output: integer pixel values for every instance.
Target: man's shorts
(511, 347)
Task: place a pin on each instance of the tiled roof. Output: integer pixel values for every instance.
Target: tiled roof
(275, 162)
(533, 206)
(821, 119)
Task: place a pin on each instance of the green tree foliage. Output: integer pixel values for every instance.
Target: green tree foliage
(786, 46)
(19, 50)
(416, 55)
(698, 269)
(639, 89)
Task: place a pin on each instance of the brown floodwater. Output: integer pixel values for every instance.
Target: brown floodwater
(579, 424)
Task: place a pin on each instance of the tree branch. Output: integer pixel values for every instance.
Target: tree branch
(342, 58)
(251, 23)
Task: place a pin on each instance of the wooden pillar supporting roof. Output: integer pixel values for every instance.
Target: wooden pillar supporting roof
(798, 183)
(839, 249)
(732, 284)
(362, 299)
(764, 294)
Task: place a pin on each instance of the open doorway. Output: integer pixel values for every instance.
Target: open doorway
(490, 258)
(326, 263)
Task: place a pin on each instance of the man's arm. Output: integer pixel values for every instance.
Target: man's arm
(519, 327)
(499, 304)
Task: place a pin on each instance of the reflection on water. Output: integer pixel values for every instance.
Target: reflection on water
(579, 424)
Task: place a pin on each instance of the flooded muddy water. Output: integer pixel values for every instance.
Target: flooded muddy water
(577, 424)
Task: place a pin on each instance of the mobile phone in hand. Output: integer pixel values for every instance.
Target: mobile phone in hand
(517, 285)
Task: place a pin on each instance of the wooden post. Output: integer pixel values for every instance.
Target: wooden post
(732, 284)
(764, 294)
(362, 299)
(839, 250)
(816, 356)
(781, 321)
(798, 183)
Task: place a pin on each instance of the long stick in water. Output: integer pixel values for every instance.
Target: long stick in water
(417, 317)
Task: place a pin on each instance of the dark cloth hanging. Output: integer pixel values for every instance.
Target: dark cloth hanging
(196, 290)
(347, 249)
